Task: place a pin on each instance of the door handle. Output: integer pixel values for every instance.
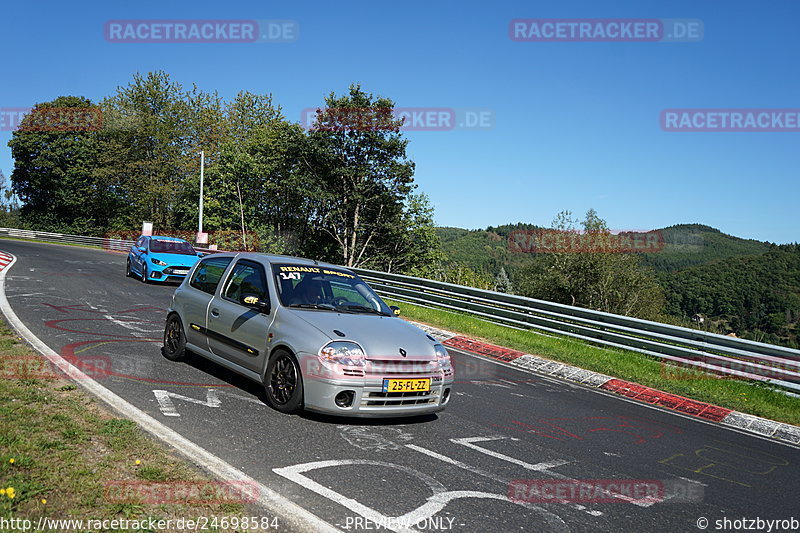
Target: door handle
(215, 312)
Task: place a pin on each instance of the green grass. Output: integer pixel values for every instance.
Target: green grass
(747, 397)
(59, 448)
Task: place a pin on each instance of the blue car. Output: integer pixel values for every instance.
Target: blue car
(154, 258)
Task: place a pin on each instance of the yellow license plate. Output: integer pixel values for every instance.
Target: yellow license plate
(406, 385)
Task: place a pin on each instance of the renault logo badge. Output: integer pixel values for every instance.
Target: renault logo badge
(403, 352)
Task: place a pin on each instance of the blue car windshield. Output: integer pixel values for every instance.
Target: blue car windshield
(171, 247)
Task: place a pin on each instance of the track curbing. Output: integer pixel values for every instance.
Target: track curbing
(764, 427)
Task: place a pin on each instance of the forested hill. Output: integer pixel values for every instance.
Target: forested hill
(685, 245)
(755, 295)
(743, 286)
(695, 244)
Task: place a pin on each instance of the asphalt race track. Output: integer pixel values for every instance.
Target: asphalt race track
(502, 425)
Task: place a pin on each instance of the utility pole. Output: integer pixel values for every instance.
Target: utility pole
(202, 164)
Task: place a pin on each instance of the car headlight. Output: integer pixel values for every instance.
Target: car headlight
(344, 353)
(157, 262)
(442, 357)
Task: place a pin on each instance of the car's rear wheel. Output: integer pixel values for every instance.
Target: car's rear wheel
(284, 383)
(174, 347)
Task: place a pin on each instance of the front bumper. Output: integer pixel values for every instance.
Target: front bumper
(369, 400)
(167, 273)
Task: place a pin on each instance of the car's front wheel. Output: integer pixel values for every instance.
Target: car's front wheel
(174, 347)
(144, 274)
(284, 383)
(128, 268)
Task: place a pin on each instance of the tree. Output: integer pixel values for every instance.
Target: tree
(503, 283)
(148, 150)
(279, 193)
(343, 192)
(412, 245)
(54, 164)
(365, 172)
(597, 279)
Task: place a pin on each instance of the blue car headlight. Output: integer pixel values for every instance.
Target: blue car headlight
(157, 262)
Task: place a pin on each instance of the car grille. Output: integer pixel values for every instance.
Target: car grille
(378, 398)
(170, 271)
(387, 367)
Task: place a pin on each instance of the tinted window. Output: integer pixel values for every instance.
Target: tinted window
(337, 289)
(171, 247)
(208, 273)
(246, 278)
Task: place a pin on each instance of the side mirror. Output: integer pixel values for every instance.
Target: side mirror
(254, 302)
(395, 310)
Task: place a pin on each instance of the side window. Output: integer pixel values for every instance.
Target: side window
(246, 277)
(208, 273)
(140, 242)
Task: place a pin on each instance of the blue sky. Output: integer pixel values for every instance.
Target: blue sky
(576, 124)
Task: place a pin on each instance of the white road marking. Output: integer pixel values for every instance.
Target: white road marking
(130, 325)
(168, 408)
(434, 504)
(295, 473)
(480, 472)
(540, 467)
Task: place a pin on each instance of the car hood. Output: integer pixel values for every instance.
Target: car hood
(381, 337)
(176, 259)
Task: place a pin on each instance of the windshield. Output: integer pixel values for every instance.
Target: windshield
(313, 287)
(163, 246)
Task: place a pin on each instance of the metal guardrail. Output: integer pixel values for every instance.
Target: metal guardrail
(710, 352)
(686, 347)
(110, 244)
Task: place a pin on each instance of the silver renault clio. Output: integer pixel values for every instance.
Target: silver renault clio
(314, 334)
